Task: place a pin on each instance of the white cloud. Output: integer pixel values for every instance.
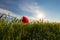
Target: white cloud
(32, 7)
(4, 11)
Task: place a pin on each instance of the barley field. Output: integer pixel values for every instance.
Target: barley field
(16, 30)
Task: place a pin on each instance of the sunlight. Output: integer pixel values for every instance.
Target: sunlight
(40, 16)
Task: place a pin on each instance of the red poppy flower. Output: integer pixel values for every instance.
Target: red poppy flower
(25, 19)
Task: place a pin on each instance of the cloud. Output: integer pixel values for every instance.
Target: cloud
(31, 7)
(4, 11)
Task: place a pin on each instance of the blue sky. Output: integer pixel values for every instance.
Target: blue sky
(50, 8)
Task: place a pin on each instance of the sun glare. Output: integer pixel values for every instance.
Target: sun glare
(40, 16)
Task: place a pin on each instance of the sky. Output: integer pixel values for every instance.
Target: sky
(49, 9)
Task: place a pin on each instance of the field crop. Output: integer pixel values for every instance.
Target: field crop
(16, 30)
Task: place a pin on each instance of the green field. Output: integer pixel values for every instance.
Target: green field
(16, 30)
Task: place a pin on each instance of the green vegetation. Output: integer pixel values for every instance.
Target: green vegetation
(16, 30)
